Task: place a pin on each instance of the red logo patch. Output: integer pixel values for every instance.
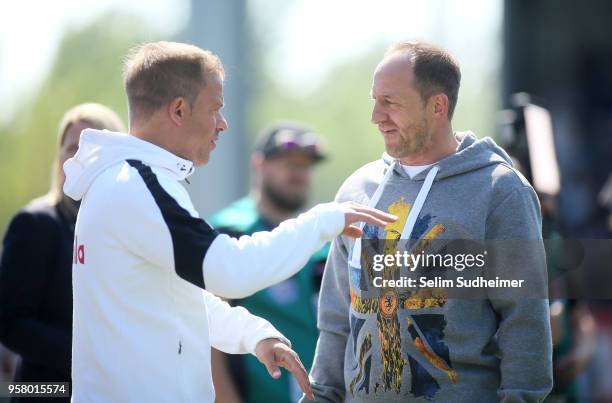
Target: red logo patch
(78, 252)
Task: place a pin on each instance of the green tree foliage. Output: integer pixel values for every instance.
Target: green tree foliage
(87, 68)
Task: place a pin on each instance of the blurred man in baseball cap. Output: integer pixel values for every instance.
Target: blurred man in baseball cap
(283, 162)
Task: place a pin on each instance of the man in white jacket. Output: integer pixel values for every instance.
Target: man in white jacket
(146, 267)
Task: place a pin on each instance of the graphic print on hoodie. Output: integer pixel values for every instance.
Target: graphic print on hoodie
(389, 345)
(424, 331)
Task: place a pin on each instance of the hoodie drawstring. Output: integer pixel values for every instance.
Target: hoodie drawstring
(355, 260)
(418, 202)
(356, 252)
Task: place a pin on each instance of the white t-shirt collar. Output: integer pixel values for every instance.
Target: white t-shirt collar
(414, 170)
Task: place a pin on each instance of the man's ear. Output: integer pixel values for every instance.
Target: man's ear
(178, 110)
(440, 105)
(257, 161)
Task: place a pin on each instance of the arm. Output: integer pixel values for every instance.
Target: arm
(177, 239)
(235, 330)
(524, 335)
(327, 375)
(26, 256)
(270, 257)
(226, 390)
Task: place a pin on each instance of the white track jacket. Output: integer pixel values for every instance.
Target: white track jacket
(146, 267)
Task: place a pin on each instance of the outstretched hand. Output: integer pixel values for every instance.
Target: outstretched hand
(273, 353)
(354, 212)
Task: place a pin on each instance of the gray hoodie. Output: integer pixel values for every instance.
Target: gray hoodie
(428, 347)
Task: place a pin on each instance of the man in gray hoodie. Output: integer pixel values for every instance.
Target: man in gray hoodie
(389, 344)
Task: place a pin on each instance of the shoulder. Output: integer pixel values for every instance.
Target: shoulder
(506, 181)
(40, 210)
(362, 183)
(505, 176)
(40, 214)
(133, 185)
(238, 216)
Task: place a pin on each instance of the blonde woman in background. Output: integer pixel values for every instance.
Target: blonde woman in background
(36, 264)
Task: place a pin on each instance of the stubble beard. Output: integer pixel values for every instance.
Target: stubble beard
(418, 140)
(282, 201)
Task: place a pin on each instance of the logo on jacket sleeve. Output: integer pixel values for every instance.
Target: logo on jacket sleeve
(78, 252)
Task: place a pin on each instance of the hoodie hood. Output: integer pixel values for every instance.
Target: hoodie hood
(472, 154)
(101, 149)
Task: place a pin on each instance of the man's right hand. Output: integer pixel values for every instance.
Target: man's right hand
(354, 212)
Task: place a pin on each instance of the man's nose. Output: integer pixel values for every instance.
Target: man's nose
(377, 115)
(222, 123)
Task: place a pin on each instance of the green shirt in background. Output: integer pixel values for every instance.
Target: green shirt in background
(290, 306)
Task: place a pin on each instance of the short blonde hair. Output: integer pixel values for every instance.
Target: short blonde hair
(96, 116)
(155, 73)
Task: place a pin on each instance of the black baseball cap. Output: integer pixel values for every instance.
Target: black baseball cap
(289, 137)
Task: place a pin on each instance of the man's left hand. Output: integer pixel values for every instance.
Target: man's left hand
(273, 353)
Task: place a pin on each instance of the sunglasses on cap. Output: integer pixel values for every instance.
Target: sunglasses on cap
(291, 141)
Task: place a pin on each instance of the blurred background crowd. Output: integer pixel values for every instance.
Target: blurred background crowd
(312, 62)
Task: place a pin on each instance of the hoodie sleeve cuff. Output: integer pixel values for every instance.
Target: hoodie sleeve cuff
(330, 219)
(266, 334)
